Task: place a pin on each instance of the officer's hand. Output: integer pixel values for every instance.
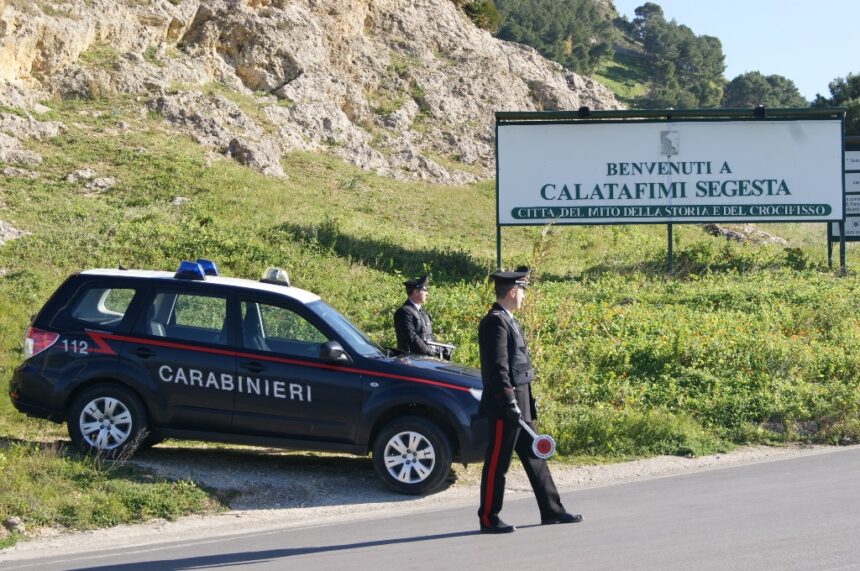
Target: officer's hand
(512, 411)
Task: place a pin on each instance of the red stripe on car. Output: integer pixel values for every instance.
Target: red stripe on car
(98, 338)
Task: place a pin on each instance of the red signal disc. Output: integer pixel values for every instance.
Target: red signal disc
(544, 446)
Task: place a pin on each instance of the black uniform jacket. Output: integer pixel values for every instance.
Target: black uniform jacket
(412, 326)
(505, 363)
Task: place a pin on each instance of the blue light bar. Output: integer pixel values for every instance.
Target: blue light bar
(189, 271)
(209, 267)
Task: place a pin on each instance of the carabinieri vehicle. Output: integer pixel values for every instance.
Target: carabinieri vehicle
(129, 357)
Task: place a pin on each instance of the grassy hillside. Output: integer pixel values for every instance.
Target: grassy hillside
(743, 343)
(625, 75)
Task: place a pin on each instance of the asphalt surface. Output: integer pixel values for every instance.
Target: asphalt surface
(798, 513)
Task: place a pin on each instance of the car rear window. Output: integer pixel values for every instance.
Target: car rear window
(102, 306)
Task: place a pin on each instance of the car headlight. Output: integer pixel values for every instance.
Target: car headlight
(476, 393)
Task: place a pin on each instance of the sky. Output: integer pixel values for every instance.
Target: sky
(808, 42)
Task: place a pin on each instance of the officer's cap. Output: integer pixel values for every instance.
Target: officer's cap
(519, 277)
(417, 283)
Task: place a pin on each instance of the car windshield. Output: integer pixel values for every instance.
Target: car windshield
(356, 338)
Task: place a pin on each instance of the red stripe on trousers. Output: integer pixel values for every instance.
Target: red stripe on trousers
(494, 461)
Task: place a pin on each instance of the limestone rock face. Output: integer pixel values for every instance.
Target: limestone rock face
(744, 233)
(11, 151)
(212, 120)
(385, 84)
(18, 173)
(260, 155)
(9, 232)
(28, 127)
(12, 95)
(15, 128)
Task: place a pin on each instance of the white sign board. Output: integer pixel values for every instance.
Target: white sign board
(852, 182)
(660, 172)
(852, 160)
(852, 205)
(852, 228)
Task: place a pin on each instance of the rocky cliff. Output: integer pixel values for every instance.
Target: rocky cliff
(400, 87)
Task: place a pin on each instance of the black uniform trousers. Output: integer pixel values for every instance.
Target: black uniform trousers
(505, 437)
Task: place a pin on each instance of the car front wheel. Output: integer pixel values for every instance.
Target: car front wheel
(412, 455)
(107, 420)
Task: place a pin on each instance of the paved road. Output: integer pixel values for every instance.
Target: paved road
(800, 513)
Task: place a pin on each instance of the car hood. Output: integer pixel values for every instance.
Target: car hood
(434, 369)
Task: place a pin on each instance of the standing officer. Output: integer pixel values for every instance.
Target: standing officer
(412, 324)
(507, 374)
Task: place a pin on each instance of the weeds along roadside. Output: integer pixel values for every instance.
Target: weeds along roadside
(46, 485)
(743, 343)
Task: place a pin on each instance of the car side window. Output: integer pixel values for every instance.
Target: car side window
(186, 317)
(278, 329)
(102, 306)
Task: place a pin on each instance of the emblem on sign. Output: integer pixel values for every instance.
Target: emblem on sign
(669, 143)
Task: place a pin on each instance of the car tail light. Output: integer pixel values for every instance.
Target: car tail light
(36, 341)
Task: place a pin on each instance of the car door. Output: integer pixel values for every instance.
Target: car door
(283, 388)
(181, 341)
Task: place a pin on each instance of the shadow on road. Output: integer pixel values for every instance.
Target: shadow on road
(267, 555)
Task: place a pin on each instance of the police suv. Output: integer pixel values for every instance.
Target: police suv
(128, 358)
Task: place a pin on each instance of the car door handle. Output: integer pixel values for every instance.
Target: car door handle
(253, 366)
(143, 352)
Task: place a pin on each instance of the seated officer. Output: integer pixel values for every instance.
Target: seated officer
(412, 324)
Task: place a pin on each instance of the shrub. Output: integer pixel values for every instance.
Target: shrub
(484, 14)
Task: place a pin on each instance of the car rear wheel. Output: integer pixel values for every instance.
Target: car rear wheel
(107, 420)
(412, 455)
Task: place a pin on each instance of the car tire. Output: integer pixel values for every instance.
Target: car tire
(108, 421)
(412, 455)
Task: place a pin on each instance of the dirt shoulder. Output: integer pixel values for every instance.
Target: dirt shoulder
(273, 490)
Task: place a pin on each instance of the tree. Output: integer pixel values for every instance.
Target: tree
(844, 92)
(578, 34)
(785, 92)
(645, 13)
(686, 70)
(753, 88)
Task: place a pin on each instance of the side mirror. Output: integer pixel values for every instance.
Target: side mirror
(332, 352)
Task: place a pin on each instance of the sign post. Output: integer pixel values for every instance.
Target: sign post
(669, 167)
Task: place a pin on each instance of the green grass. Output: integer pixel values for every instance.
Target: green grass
(741, 344)
(100, 55)
(46, 486)
(624, 75)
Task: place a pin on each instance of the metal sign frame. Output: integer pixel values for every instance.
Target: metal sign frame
(852, 145)
(836, 231)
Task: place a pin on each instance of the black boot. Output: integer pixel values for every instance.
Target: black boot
(563, 518)
(498, 527)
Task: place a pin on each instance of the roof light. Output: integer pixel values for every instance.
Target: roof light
(276, 276)
(189, 271)
(209, 267)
